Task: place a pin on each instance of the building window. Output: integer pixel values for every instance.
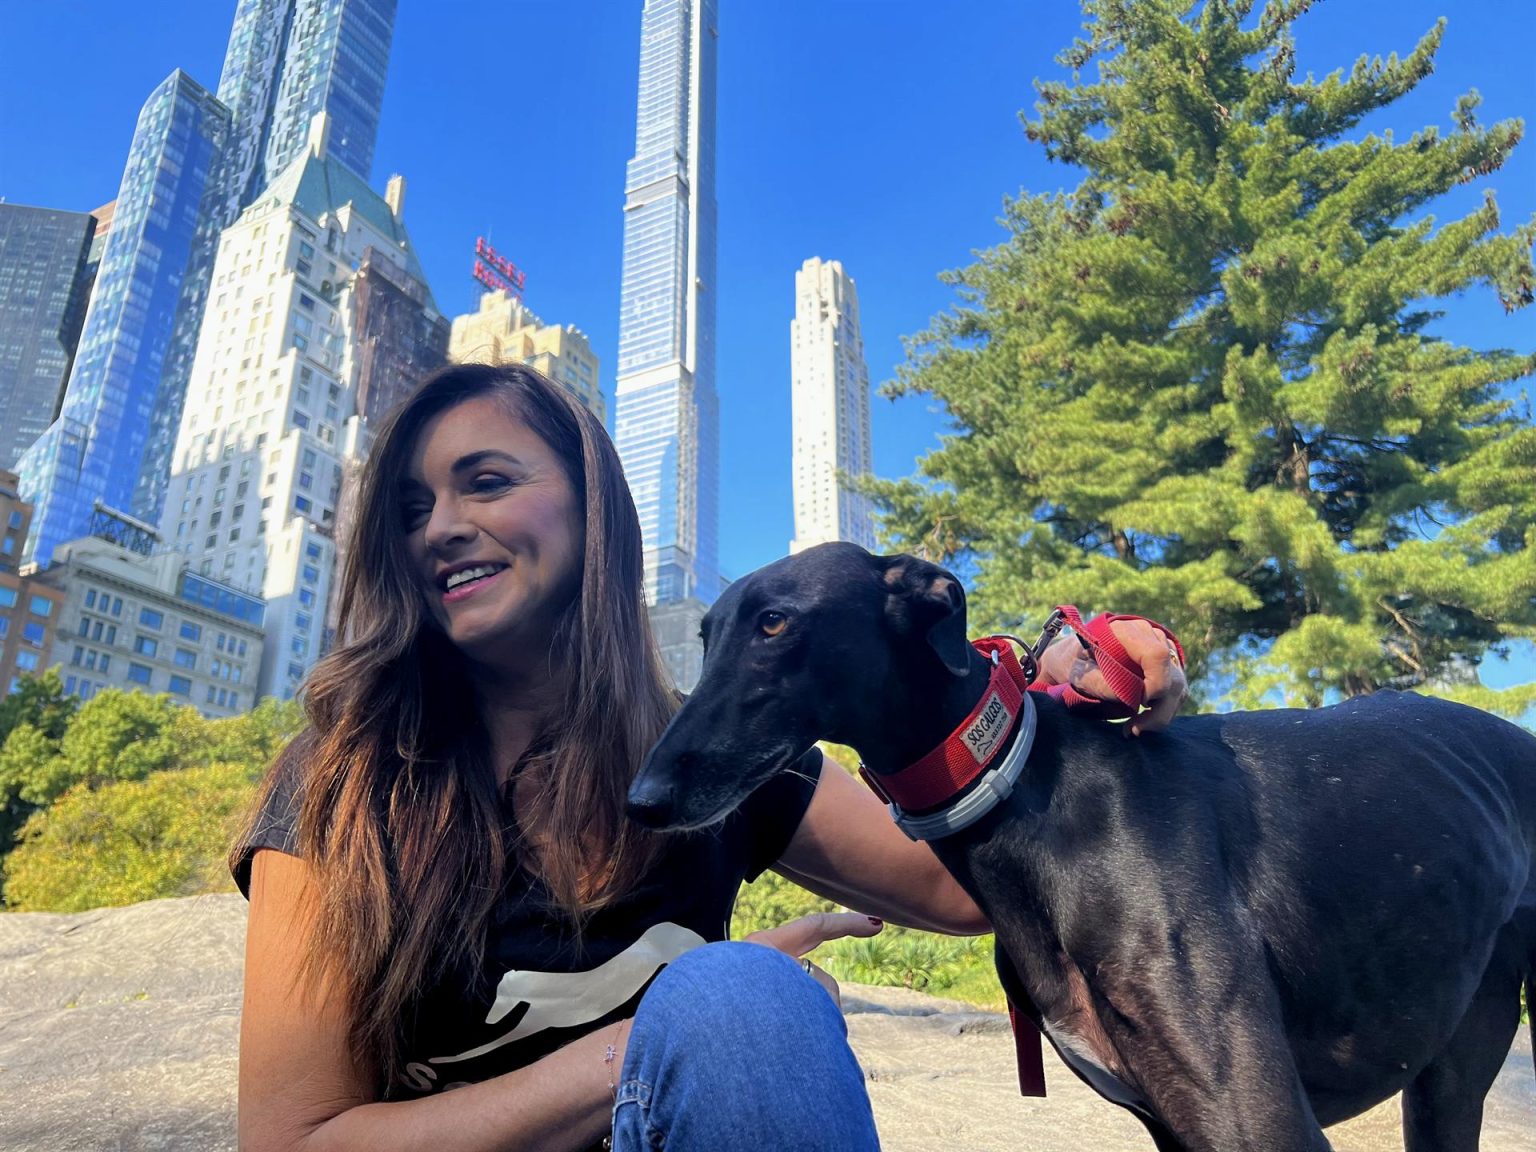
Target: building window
(26, 661)
(180, 686)
(85, 626)
(41, 606)
(79, 656)
(111, 637)
(90, 597)
(312, 550)
(7, 597)
(14, 520)
(302, 504)
(191, 631)
(145, 645)
(295, 671)
(117, 605)
(311, 574)
(96, 629)
(302, 622)
(307, 597)
(149, 618)
(106, 660)
(210, 693)
(33, 634)
(186, 658)
(138, 673)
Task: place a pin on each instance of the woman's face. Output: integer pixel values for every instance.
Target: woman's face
(494, 531)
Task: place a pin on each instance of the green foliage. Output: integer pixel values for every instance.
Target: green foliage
(55, 759)
(1202, 385)
(958, 967)
(131, 840)
(40, 707)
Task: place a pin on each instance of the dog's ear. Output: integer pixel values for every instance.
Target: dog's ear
(925, 600)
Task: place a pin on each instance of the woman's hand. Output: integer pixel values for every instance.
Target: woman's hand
(810, 932)
(1066, 661)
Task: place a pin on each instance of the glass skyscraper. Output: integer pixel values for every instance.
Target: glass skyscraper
(45, 281)
(666, 418)
(91, 454)
(195, 162)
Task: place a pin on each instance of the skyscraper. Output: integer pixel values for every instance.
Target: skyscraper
(45, 282)
(318, 311)
(92, 453)
(286, 59)
(666, 417)
(829, 387)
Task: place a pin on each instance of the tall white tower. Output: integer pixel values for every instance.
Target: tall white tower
(829, 385)
(279, 404)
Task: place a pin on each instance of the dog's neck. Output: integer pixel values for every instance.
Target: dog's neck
(918, 714)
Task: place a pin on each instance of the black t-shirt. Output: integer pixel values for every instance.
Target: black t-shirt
(539, 992)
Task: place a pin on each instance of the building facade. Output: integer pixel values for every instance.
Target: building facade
(829, 389)
(29, 613)
(666, 419)
(273, 421)
(287, 61)
(92, 453)
(195, 162)
(45, 283)
(145, 623)
(504, 330)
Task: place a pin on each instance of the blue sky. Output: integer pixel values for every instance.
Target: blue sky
(882, 133)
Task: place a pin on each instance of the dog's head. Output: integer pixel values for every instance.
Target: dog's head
(833, 643)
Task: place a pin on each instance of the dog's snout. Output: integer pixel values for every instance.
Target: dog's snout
(652, 799)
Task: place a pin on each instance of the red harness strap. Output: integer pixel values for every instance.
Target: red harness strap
(1123, 674)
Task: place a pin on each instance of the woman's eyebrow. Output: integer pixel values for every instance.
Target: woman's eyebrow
(475, 459)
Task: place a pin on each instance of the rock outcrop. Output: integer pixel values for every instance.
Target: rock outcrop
(119, 1027)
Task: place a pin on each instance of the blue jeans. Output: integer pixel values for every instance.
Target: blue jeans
(735, 1047)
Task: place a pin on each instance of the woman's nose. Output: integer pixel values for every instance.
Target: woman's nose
(447, 527)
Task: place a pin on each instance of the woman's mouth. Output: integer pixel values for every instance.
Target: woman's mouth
(467, 581)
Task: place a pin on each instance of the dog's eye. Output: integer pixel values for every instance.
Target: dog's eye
(771, 623)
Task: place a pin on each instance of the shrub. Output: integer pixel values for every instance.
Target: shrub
(164, 835)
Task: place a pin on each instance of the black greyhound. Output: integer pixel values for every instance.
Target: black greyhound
(1243, 928)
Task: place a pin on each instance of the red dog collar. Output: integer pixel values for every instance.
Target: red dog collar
(955, 764)
(971, 748)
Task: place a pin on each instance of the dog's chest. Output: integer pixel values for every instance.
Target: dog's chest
(1078, 1055)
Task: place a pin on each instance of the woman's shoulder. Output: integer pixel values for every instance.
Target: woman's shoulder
(276, 822)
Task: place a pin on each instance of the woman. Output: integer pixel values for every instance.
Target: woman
(444, 892)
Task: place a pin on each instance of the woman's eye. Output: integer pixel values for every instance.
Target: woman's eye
(772, 623)
(414, 517)
(488, 482)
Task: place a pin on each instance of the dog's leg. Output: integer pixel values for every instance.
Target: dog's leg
(1204, 1045)
(1443, 1107)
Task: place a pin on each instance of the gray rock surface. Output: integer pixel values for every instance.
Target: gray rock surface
(118, 1030)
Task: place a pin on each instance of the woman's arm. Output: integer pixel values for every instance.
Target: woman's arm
(848, 849)
(301, 1088)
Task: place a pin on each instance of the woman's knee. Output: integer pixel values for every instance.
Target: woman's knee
(744, 986)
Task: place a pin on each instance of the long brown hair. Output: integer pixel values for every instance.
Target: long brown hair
(400, 813)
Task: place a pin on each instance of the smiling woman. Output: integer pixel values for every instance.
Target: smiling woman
(445, 890)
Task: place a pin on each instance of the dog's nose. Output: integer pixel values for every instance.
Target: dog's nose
(651, 801)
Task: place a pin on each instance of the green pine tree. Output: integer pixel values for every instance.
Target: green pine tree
(1203, 386)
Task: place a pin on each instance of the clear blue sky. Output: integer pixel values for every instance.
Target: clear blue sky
(882, 133)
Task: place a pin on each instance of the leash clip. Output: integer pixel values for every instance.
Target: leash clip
(1054, 623)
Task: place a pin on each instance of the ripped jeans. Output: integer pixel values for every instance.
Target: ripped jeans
(735, 1047)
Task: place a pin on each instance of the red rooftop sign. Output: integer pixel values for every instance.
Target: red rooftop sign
(495, 271)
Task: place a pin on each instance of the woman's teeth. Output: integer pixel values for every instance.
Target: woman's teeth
(464, 576)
